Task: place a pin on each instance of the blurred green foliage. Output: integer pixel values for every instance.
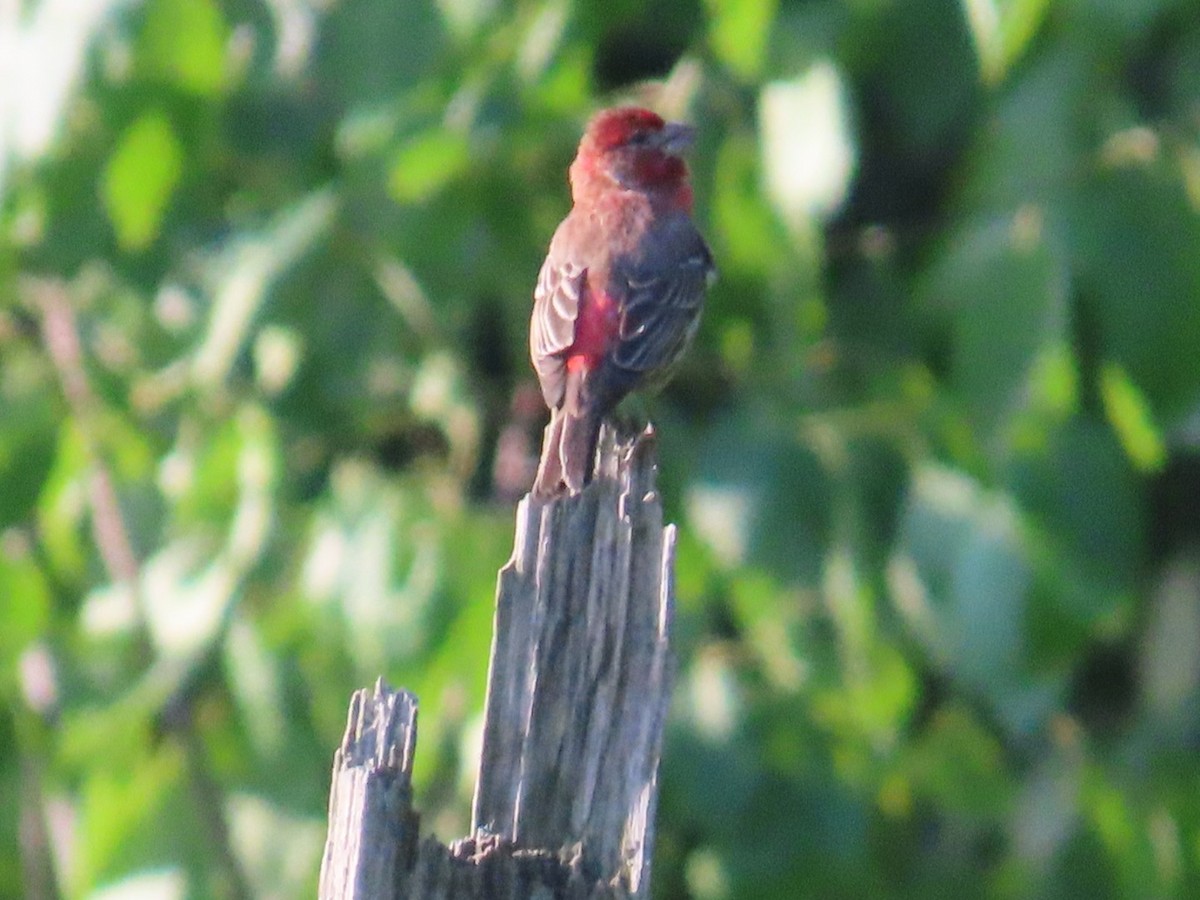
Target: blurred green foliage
(265, 273)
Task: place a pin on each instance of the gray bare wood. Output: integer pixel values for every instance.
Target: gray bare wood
(372, 828)
(577, 699)
(580, 674)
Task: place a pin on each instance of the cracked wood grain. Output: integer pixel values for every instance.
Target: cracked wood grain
(578, 690)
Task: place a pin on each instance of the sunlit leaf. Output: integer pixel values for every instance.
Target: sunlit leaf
(352, 564)
(187, 596)
(279, 850)
(426, 164)
(746, 231)
(739, 32)
(24, 602)
(958, 764)
(45, 52)
(140, 178)
(169, 884)
(183, 42)
(1002, 30)
(244, 273)
(1131, 417)
(808, 150)
(118, 806)
(542, 39)
(464, 17)
(870, 705)
(254, 680)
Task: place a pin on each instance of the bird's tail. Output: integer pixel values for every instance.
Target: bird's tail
(569, 444)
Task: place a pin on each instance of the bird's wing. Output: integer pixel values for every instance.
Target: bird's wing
(663, 298)
(556, 300)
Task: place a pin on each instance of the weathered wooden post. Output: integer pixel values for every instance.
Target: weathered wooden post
(577, 697)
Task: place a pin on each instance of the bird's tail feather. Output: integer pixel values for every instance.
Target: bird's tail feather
(549, 473)
(578, 448)
(569, 444)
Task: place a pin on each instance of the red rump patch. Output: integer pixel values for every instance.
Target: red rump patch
(614, 127)
(595, 327)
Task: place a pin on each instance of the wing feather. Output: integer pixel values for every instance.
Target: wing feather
(664, 298)
(556, 300)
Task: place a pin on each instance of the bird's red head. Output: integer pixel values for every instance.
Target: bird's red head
(632, 148)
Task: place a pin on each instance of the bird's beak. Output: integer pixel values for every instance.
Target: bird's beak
(676, 137)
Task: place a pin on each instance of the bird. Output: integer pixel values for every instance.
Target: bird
(619, 296)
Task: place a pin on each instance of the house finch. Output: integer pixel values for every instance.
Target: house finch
(619, 296)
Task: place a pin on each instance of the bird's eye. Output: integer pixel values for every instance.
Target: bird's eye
(638, 138)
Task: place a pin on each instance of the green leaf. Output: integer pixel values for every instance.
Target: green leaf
(279, 849)
(245, 273)
(963, 578)
(62, 506)
(140, 178)
(956, 763)
(202, 480)
(1037, 109)
(1002, 31)
(746, 232)
(962, 543)
(164, 884)
(876, 695)
(24, 605)
(739, 31)
(1132, 419)
(121, 813)
(426, 164)
(375, 49)
(1005, 290)
(761, 497)
(922, 105)
(1135, 241)
(26, 454)
(368, 555)
(183, 42)
(1082, 495)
